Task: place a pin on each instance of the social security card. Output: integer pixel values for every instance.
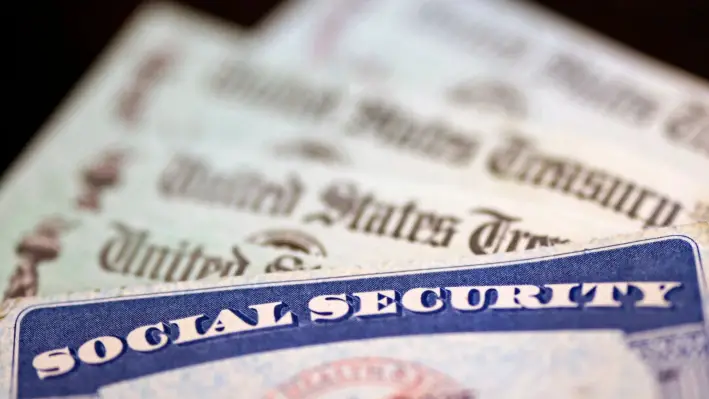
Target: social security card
(596, 364)
(651, 287)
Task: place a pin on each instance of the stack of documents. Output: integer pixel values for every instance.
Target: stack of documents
(391, 199)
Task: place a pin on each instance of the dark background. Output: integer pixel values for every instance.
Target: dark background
(55, 41)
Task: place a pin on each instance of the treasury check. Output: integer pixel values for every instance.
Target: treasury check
(213, 96)
(503, 56)
(72, 252)
(651, 287)
(576, 173)
(437, 141)
(119, 215)
(459, 365)
(51, 201)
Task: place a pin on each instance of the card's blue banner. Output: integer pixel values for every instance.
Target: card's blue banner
(75, 348)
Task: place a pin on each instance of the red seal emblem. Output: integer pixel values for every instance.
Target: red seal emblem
(370, 377)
